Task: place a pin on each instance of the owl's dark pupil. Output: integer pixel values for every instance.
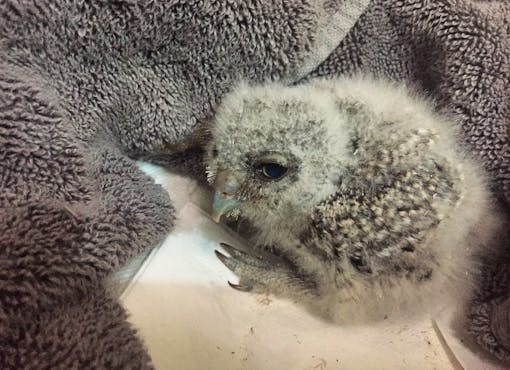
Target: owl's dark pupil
(273, 170)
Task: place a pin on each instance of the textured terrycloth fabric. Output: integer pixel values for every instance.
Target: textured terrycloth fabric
(85, 85)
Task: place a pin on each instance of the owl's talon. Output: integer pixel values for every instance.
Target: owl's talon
(242, 288)
(234, 252)
(253, 271)
(224, 259)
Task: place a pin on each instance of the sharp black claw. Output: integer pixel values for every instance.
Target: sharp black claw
(241, 288)
(224, 259)
(227, 247)
(232, 250)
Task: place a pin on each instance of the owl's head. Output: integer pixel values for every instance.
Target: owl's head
(276, 152)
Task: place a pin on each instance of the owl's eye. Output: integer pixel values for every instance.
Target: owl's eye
(270, 170)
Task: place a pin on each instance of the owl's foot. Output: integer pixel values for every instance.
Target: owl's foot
(262, 275)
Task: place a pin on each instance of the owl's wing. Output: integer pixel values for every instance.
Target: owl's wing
(383, 211)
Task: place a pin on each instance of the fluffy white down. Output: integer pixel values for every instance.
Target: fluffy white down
(334, 110)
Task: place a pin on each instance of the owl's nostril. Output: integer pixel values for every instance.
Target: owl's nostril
(222, 204)
(226, 184)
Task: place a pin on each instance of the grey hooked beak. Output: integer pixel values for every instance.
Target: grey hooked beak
(224, 199)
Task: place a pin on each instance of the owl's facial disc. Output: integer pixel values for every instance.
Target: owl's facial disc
(267, 167)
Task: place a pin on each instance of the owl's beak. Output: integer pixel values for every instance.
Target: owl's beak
(222, 204)
(224, 199)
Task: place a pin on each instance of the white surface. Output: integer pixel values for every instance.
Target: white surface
(190, 319)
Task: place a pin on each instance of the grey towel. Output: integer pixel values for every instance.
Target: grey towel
(87, 85)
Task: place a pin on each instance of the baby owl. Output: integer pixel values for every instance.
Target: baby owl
(363, 202)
